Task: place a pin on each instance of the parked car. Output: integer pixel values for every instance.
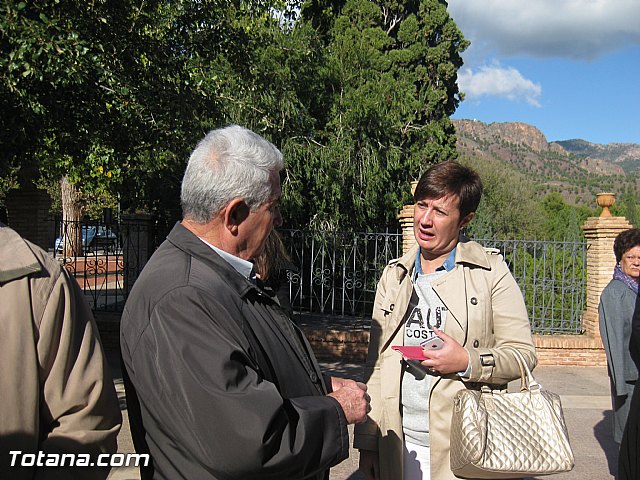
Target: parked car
(94, 238)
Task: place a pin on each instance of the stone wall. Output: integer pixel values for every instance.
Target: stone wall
(580, 350)
(350, 345)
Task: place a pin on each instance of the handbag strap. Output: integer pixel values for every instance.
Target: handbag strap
(527, 381)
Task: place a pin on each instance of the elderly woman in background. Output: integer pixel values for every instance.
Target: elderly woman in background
(449, 288)
(629, 459)
(617, 309)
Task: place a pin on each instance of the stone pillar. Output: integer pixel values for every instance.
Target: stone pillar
(600, 232)
(28, 214)
(137, 245)
(405, 217)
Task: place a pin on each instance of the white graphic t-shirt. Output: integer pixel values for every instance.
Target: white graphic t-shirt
(418, 326)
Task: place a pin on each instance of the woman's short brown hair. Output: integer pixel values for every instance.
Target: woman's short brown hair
(451, 178)
(625, 241)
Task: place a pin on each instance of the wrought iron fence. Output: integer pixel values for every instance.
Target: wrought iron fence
(552, 276)
(92, 253)
(339, 272)
(105, 259)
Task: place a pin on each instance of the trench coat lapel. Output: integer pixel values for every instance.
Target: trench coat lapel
(398, 304)
(451, 289)
(406, 297)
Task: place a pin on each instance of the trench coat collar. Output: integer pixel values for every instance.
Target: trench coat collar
(472, 253)
(17, 260)
(467, 251)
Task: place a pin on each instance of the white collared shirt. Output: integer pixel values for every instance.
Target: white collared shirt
(242, 266)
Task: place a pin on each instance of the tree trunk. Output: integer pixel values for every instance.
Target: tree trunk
(72, 209)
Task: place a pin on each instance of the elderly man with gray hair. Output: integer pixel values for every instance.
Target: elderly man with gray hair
(222, 384)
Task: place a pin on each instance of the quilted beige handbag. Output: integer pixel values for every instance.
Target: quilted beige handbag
(497, 434)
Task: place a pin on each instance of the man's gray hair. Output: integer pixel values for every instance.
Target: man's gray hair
(231, 162)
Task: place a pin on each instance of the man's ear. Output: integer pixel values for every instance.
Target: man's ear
(465, 221)
(235, 213)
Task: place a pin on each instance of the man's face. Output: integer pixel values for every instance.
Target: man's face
(260, 222)
(437, 223)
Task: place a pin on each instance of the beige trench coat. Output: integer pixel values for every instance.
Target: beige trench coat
(56, 389)
(486, 315)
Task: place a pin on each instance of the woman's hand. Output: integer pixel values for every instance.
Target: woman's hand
(451, 358)
(369, 464)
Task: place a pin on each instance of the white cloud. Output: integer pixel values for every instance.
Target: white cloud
(578, 29)
(499, 81)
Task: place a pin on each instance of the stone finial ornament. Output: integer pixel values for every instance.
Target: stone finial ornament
(605, 200)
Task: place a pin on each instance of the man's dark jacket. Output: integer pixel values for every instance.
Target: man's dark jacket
(228, 387)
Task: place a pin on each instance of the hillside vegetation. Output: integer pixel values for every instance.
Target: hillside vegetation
(576, 169)
(540, 189)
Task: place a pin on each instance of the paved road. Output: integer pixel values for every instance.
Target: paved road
(585, 398)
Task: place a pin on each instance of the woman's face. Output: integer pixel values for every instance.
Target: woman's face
(437, 223)
(630, 262)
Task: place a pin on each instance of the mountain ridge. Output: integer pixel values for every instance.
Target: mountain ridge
(576, 168)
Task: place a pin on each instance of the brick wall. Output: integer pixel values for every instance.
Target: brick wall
(351, 345)
(580, 350)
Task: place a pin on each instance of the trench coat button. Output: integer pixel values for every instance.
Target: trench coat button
(476, 343)
(391, 307)
(474, 301)
(313, 377)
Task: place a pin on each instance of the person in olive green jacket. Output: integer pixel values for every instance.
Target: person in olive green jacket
(56, 392)
(444, 287)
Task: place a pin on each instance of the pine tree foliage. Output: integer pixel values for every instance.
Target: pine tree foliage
(390, 71)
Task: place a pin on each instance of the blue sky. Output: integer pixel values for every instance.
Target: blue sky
(569, 67)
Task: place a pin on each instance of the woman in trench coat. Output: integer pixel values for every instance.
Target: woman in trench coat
(452, 288)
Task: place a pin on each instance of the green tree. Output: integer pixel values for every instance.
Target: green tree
(110, 96)
(562, 221)
(54, 87)
(390, 73)
(627, 206)
(8, 180)
(508, 208)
